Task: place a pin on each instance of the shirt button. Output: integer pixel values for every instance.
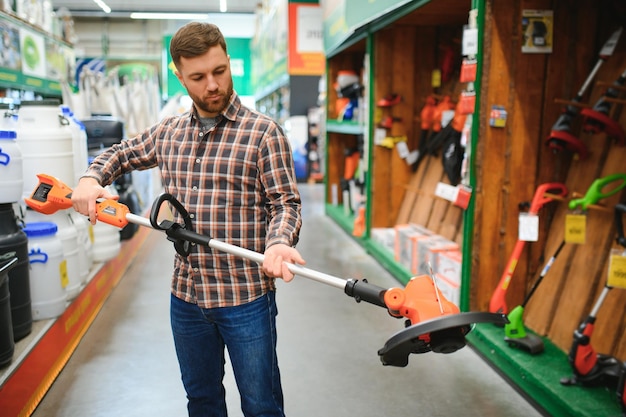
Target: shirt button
(195, 270)
(194, 188)
(191, 215)
(201, 134)
(198, 161)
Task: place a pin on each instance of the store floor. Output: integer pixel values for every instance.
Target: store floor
(126, 366)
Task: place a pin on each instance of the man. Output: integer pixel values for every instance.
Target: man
(232, 169)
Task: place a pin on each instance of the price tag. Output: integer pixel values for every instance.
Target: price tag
(528, 227)
(575, 228)
(617, 269)
(65, 280)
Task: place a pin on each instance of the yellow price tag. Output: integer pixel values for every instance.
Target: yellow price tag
(617, 270)
(65, 279)
(575, 228)
(435, 78)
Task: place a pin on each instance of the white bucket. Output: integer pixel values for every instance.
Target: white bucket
(68, 235)
(107, 241)
(11, 168)
(47, 270)
(79, 143)
(45, 138)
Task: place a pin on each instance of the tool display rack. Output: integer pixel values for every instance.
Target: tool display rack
(505, 166)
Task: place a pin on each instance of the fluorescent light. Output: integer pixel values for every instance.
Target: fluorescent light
(170, 16)
(223, 6)
(103, 6)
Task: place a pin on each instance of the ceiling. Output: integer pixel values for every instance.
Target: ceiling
(122, 8)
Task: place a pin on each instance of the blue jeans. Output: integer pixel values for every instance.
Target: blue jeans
(249, 334)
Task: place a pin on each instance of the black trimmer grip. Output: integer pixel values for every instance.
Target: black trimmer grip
(361, 290)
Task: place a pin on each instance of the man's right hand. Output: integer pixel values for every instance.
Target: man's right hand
(85, 196)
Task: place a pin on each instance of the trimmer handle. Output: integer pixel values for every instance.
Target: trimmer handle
(181, 235)
(620, 209)
(595, 192)
(540, 198)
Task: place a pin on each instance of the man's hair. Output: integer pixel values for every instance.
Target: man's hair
(195, 39)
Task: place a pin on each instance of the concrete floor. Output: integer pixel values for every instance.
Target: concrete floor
(126, 366)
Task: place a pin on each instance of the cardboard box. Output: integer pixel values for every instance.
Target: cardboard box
(450, 290)
(428, 250)
(449, 264)
(407, 237)
(384, 236)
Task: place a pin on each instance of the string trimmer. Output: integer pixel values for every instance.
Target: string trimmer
(596, 119)
(515, 333)
(433, 323)
(561, 136)
(497, 304)
(591, 368)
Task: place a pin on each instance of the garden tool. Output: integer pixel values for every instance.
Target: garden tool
(597, 119)
(497, 303)
(515, 333)
(433, 324)
(591, 368)
(561, 136)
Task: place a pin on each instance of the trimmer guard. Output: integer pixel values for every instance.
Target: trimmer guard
(440, 335)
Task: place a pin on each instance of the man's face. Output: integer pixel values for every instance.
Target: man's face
(208, 80)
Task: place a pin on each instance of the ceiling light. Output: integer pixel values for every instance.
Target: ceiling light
(103, 6)
(223, 6)
(170, 16)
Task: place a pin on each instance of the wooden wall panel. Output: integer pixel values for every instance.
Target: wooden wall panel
(512, 162)
(491, 198)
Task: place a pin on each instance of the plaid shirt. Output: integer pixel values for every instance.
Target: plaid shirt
(237, 181)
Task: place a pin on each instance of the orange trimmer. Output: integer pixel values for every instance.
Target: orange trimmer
(433, 323)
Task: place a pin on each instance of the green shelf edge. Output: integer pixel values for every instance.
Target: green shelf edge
(537, 376)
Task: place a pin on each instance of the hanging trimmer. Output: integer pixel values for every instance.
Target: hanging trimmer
(597, 120)
(497, 304)
(433, 323)
(589, 367)
(515, 333)
(561, 136)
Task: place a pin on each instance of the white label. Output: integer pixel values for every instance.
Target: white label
(528, 227)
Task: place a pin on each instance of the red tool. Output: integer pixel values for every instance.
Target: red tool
(597, 119)
(498, 299)
(434, 323)
(561, 136)
(590, 367)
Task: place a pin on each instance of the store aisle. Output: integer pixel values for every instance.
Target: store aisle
(126, 366)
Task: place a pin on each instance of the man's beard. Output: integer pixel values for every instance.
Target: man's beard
(214, 107)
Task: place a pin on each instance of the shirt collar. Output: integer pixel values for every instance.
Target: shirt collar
(230, 112)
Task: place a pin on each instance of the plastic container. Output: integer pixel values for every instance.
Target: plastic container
(68, 234)
(106, 238)
(79, 143)
(45, 138)
(14, 243)
(7, 344)
(48, 275)
(11, 168)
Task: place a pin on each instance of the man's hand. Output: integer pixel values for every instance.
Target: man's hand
(275, 258)
(85, 195)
